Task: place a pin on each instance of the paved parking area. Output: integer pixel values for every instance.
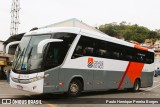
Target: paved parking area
(55, 100)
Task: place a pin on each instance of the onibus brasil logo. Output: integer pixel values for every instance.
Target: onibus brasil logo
(95, 64)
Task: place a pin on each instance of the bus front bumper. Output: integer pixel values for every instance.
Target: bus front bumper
(33, 86)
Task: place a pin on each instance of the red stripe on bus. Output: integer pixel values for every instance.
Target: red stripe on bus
(125, 73)
(133, 71)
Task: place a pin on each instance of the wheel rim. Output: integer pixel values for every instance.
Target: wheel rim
(74, 88)
(137, 87)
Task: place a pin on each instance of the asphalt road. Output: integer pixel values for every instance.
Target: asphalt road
(57, 100)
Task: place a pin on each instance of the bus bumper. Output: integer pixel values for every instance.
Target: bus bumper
(35, 86)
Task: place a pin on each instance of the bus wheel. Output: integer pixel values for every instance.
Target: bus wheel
(75, 88)
(136, 85)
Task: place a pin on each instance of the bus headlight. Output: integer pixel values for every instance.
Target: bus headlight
(35, 79)
(38, 78)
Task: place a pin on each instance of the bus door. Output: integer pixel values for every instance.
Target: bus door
(51, 61)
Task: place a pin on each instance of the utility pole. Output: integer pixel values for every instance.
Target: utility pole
(14, 17)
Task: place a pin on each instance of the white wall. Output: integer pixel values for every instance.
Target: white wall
(1, 46)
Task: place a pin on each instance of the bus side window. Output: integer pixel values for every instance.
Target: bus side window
(104, 49)
(149, 58)
(85, 47)
(101, 53)
(88, 51)
(57, 51)
(113, 51)
(52, 56)
(78, 52)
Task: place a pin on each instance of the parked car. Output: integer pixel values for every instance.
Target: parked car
(157, 72)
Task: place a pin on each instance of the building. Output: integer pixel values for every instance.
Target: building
(157, 49)
(148, 43)
(1, 46)
(73, 23)
(6, 59)
(2, 60)
(13, 38)
(157, 44)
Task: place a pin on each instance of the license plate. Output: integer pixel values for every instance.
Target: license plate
(19, 87)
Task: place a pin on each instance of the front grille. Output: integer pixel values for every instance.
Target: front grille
(23, 81)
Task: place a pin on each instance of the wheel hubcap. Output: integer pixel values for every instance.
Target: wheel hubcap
(74, 88)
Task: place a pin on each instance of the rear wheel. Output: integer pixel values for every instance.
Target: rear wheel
(75, 88)
(136, 86)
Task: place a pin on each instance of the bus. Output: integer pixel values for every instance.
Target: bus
(73, 60)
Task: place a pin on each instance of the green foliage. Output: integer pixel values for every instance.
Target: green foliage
(129, 32)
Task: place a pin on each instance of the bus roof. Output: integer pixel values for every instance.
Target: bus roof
(55, 29)
(81, 31)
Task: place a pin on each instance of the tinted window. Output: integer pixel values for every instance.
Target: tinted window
(57, 51)
(85, 47)
(98, 48)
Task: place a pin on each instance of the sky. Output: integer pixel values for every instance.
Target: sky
(38, 13)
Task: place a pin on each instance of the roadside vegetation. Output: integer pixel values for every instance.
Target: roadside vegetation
(130, 32)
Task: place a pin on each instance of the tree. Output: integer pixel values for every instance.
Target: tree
(129, 32)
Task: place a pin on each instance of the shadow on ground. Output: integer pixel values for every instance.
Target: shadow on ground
(64, 99)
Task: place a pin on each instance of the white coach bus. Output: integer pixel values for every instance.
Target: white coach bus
(72, 60)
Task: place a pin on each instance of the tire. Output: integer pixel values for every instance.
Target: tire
(155, 75)
(136, 86)
(75, 88)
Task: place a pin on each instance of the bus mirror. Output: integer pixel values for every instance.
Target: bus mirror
(10, 44)
(44, 42)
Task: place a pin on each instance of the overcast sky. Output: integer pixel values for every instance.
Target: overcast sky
(37, 13)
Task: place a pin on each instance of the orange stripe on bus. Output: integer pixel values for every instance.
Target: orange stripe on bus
(141, 48)
(134, 71)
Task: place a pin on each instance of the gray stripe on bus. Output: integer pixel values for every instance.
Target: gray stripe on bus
(93, 79)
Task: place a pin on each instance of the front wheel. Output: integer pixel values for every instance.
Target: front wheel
(75, 88)
(136, 86)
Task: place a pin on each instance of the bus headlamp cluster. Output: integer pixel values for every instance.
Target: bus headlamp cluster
(38, 78)
(35, 79)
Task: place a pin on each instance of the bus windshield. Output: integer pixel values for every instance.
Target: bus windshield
(26, 57)
(27, 60)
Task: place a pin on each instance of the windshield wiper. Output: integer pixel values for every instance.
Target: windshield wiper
(21, 54)
(16, 55)
(29, 56)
